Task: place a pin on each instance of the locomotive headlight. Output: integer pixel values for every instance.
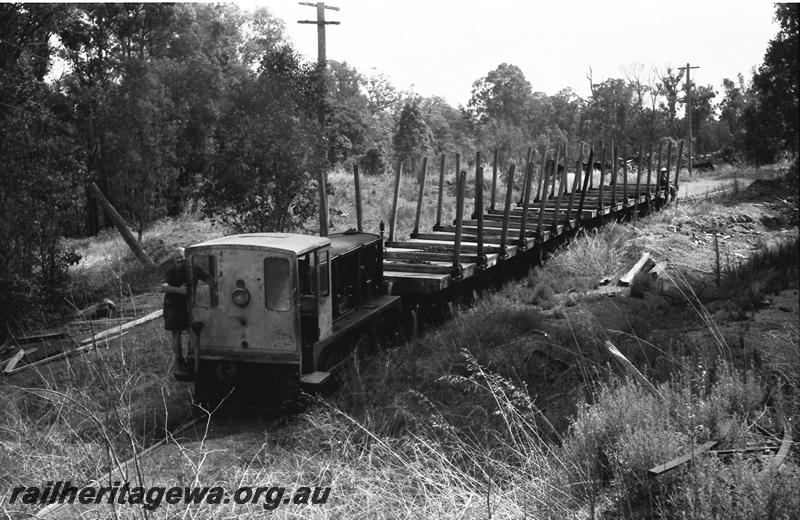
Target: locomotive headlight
(241, 296)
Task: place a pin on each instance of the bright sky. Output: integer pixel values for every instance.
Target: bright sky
(441, 47)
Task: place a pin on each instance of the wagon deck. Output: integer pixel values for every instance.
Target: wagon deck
(449, 255)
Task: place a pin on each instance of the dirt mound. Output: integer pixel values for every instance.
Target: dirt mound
(764, 188)
(719, 223)
(780, 195)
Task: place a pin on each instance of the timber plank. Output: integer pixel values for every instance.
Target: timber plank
(674, 463)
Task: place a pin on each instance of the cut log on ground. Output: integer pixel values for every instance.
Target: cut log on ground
(628, 277)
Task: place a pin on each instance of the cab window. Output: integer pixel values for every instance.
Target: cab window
(277, 284)
(204, 287)
(324, 285)
(306, 274)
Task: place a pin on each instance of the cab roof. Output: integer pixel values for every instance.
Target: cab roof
(342, 243)
(284, 242)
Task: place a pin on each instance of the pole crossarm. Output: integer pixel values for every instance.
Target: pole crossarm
(312, 4)
(320, 22)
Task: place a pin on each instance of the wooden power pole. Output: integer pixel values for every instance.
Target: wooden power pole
(688, 68)
(322, 63)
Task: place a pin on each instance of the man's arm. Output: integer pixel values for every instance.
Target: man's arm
(171, 289)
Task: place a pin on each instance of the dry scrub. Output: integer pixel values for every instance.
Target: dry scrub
(509, 410)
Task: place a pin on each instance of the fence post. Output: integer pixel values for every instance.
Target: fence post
(462, 179)
(420, 196)
(393, 216)
(507, 208)
(438, 225)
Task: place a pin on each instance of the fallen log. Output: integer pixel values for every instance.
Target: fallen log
(121, 328)
(100, 322)
(122, 227)
(628, 277)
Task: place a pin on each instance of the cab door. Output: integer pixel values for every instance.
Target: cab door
(247, 304)
(313, 269)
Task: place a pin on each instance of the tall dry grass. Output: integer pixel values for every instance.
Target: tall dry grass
(76, 418)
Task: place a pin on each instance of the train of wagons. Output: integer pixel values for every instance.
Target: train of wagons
(271, 313)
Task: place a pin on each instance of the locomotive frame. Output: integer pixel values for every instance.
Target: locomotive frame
(269, 310)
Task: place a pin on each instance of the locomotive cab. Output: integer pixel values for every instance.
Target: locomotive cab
(270, 307)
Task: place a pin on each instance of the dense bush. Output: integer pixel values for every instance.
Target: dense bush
(39, 181)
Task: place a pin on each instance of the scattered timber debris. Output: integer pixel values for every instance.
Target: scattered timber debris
(769, 466)
(57, 346)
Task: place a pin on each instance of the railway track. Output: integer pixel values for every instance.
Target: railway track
(453, 258)
(136, 470)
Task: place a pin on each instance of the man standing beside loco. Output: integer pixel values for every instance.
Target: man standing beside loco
(176, 315)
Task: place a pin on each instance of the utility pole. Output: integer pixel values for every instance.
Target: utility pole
(688, 68)
(320, 23)
(322, 63)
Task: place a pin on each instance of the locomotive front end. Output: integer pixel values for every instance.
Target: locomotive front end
(245, 320)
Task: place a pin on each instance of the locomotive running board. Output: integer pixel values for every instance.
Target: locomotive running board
(314, 380)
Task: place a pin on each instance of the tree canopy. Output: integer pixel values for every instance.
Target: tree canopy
(171, 106)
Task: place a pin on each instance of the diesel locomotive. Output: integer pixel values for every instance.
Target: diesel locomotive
(271, 313)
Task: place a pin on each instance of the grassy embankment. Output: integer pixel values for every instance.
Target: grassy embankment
(483, 417)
